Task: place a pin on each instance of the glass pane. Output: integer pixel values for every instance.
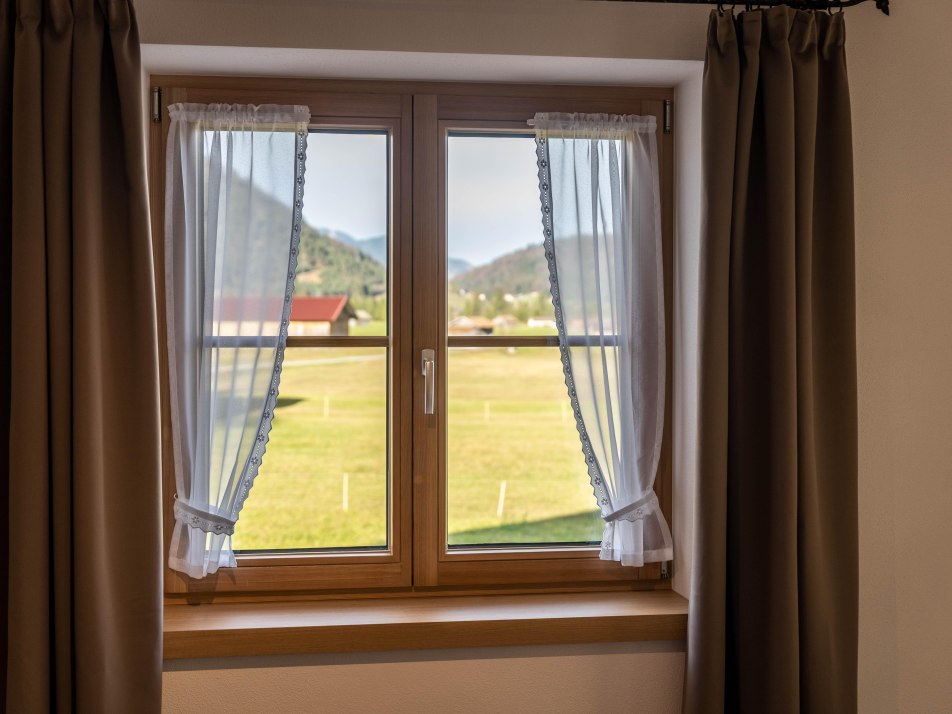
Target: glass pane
(498, 277)
(344, 239)
(515, 471)
(323, 481)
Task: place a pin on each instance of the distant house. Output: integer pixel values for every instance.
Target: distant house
(464, 325)
(363, 317)
(325, 315)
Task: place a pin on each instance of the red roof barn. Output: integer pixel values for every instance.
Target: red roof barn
(324, 315)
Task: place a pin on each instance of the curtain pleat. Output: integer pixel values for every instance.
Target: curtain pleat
(774, 597)
(7, 27)
(79, 395)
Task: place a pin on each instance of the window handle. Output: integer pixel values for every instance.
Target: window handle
(429, 380)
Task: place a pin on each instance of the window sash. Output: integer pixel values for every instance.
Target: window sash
(417, 118)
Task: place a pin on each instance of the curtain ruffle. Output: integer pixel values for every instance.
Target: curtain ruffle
(601, 126)
(240, 114)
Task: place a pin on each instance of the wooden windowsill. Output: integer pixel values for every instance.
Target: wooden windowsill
(218, 630)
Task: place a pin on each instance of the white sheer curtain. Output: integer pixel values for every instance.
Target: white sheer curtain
(234, 185)
(601, 212)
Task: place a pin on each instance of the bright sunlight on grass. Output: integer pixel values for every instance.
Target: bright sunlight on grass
(515, 467)
(323, 481)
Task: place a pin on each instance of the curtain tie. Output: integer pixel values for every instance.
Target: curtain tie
(205, 520)
(635, 511)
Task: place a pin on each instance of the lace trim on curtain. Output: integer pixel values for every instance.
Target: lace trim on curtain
(264, 427)
(204, 520)
(637, 511)
(548, 243)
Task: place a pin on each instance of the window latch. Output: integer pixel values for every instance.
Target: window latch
(429, 380)
(156, 105)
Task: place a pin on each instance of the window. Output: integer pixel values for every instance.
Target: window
(323, 485)
(514, 471)
(422, 243)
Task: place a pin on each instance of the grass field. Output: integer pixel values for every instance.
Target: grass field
(509, 421)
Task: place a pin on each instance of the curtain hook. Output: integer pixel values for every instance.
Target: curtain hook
(720, 7)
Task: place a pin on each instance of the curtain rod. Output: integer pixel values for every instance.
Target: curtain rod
(799, 4)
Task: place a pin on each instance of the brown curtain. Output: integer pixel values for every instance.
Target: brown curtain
(78, 388)
(773, 617)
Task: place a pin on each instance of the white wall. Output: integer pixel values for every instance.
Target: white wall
(902, 101)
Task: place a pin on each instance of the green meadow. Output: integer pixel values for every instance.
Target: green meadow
(515, 469)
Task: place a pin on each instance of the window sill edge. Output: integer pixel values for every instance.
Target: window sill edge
(276, 628)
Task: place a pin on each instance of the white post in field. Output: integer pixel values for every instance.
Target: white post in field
(485, 411)
(345, 496)
(502, 498)
(327, 406)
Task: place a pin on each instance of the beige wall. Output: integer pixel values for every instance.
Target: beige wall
(901, 75)
(529, 27)
(902, 100)
(604, 679)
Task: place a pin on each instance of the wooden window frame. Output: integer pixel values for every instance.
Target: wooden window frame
(418, 561)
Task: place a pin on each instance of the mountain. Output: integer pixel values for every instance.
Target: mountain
(455, 266)
(375, 247)
(328, 266)
(517, 273)
(329, 262)
(337, 235)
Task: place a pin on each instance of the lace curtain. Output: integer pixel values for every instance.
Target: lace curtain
(601, 211)
(234, 182)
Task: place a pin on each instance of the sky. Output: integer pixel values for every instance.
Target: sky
(492, 191)
(492, 196)
(345, 183)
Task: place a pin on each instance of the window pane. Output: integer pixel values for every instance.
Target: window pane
(323, 481)
(515, 471)
(344, 239)
(498, 277)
